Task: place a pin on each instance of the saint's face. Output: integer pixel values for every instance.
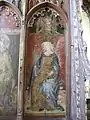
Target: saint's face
(47, 48)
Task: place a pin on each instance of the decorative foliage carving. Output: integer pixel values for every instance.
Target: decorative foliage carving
(80, 67)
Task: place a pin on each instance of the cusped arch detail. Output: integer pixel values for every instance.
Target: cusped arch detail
(10, 5)
(58, 9)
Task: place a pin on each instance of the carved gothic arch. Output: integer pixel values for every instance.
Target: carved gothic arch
(11, 6)
(59, 9)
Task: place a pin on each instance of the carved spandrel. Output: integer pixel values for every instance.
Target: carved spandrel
(32, 3)
(18, 4)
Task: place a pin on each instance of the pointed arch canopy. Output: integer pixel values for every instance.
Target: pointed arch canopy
(58, 9)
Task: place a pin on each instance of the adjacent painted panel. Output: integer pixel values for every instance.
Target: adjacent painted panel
(9, 59)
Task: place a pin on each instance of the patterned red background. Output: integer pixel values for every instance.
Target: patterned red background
(33, 46)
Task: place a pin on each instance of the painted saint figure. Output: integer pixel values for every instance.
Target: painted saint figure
(45, 80)
(6, 74)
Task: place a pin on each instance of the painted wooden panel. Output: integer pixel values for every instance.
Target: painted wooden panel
(9, 59)
(45, 64)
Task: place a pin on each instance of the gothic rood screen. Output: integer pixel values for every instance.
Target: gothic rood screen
(43, 82)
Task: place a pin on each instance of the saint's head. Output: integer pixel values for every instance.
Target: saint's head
(47, 48)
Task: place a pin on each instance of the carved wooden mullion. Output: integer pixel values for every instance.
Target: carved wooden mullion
(21, 66)
(85, 62)
(83, 46)
(20, 75)
(77, 70)
(81, 72)
(80, 64)
(73, 57)
(80, 50)
(85, 68)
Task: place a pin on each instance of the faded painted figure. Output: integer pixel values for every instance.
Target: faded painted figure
(6, 75)
(45, 81)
